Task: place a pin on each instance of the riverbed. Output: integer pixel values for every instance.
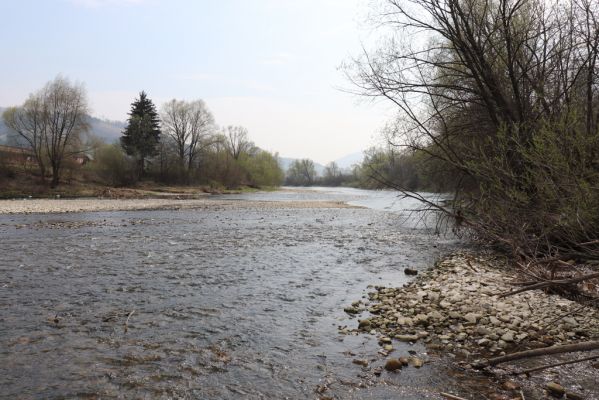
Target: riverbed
(228, 300)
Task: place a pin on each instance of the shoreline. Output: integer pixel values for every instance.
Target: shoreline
(65, 206)
(454, 310)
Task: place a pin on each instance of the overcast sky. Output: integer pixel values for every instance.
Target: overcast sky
(269, 65)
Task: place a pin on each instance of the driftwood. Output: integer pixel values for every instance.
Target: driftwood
(127, 321)
(530, 370)
(559, 282)
(451, 396)
(568, 348)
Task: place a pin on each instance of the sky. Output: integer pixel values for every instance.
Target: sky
(269, 65)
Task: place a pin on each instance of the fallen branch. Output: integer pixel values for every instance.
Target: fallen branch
(559, 282)
(530, 370)
(568, 348)
(127, 321)
(451, 396)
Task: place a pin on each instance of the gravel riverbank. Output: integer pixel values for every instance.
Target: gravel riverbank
(455, 308)
(47, 206)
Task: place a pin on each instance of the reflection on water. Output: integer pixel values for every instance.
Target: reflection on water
(225, 303)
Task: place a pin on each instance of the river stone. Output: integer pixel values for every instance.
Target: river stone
(483, 331)
(407, 338)
(504, 318)
(507, 337)
(555, 389)
(361, 362)
(571, 322)
(385, 339)
(364, 324)
(436, 315)
(461, 337)
(404, 361)
(415, 362)
(444, 304)
(472, 317)
(393, 365)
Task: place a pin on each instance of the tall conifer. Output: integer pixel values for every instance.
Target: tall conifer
(142, 134)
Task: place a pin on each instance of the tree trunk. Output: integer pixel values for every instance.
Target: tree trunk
(55, 176)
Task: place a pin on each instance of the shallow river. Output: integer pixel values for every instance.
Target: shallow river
(223, 303)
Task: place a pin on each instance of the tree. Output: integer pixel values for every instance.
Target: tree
(332, 174)
(237, 141)
(504, 94)
(142, 134)
(27, 121)
(189, 124)
(51, 122)
(301, 173)
(262, 168)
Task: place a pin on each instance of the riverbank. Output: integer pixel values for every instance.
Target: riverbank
(59, 206)
(456, 308)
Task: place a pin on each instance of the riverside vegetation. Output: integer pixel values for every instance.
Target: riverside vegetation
(178, 145)
(499, 105)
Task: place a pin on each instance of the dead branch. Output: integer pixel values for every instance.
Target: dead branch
(541, 285)
(568, 348)
(451, 396)
(530, 370)
(127, 321)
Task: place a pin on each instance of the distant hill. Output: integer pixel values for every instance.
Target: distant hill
(109, 131)
(349, 160)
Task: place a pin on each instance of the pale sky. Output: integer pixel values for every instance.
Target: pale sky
(269, 65)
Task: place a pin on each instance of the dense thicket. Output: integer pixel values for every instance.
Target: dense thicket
(502, 93)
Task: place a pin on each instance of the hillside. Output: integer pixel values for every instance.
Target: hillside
(109, 131)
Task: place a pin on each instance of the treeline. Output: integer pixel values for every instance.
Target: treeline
(178, 144)
(503, 99)
(380, 168)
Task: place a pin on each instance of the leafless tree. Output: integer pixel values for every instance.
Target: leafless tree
(51, 121)
(190, 125)
(237, 141)
(27, 122)
(65, 111)
(505, 94)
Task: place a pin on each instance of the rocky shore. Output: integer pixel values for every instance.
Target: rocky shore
(30, 206)
(455, 309)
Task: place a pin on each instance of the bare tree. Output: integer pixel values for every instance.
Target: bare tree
(237, 141)
(65, 111)
(202, 129)
(301, 172)
(190, 125)
(27, 122)
(504, 94)
(51, 122)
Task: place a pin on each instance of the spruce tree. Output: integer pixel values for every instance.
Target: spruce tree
(142, 134)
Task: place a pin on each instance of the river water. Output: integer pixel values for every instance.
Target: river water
(220, 303)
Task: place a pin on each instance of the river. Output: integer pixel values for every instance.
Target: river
(219, 303)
